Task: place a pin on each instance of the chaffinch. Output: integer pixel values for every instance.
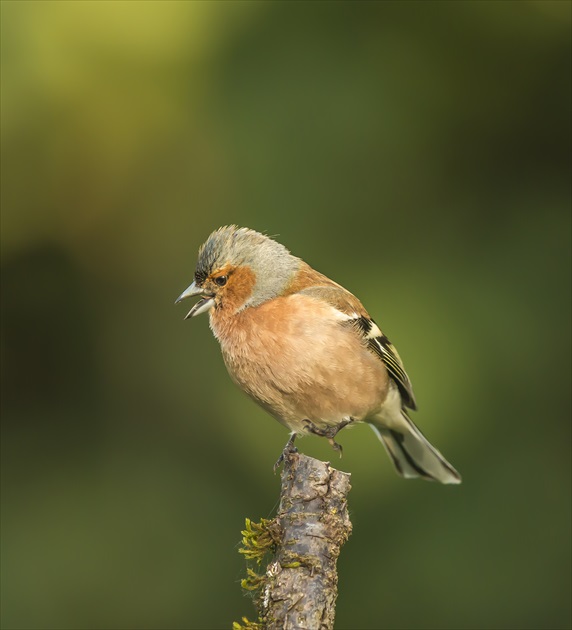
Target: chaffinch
(306, 350)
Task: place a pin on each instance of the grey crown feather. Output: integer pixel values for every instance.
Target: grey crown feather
(273, 265)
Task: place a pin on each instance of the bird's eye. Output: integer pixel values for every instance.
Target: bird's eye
(221, 280)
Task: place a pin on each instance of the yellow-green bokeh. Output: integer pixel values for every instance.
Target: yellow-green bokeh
(416, 152)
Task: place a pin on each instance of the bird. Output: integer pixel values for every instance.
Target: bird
(306, 350)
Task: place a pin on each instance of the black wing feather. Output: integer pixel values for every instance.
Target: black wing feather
(386, 351)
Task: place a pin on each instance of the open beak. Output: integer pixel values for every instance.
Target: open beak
(203, 305)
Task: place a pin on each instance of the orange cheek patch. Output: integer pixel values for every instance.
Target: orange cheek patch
(239, 288)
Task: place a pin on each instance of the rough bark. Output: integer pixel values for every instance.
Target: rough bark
(311, 526)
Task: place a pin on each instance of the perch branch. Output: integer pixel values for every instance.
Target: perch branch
(299, 587)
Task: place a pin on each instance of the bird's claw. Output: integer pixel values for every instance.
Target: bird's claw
(336, 446)
(329, 432)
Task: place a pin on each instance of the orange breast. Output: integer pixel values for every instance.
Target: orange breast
(297, 360)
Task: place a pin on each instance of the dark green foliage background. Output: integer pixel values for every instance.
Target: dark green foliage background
(418, 153)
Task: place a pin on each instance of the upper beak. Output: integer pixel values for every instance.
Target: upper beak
(189, 292)
(202, 305)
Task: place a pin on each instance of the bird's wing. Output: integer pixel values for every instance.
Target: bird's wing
(359, 319)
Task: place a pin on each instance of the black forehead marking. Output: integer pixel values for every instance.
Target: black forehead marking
(200, 276)
(205, 264)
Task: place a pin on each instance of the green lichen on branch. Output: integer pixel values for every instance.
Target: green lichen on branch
(253, 581)
(247, 625)
(258, 539)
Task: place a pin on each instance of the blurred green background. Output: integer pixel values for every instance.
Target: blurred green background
(418, 153)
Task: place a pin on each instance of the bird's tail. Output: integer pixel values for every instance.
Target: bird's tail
(413, 455)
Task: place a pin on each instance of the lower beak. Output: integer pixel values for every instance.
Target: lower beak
(203, 305)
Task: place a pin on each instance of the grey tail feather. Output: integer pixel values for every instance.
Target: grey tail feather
(413, 455)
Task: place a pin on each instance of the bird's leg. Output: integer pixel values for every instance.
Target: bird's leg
(289, 448)
(329, 432)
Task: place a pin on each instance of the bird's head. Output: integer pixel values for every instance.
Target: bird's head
(239, 268)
